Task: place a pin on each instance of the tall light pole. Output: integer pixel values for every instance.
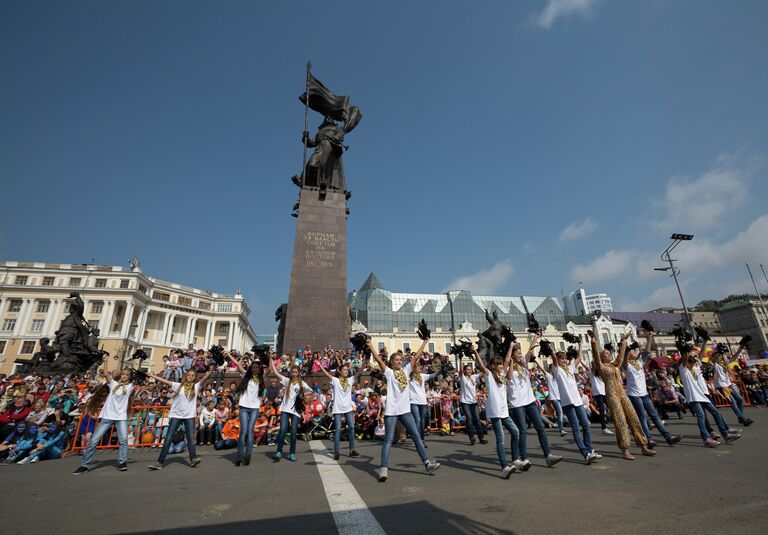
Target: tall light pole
(666, 257)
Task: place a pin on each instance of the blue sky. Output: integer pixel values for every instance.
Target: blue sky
(505, 147)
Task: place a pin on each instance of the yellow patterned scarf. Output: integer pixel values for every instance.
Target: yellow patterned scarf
(402, 379)
(499, 378)
(188, 388)
(693, 369)
(566, 369)
(121, 385)
(635, 364)
(344, 383)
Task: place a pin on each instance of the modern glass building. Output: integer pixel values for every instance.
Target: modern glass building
(384, 311)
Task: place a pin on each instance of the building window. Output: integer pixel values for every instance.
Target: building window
(143, 289)
(75, 281)
(15, 305)
(205, 305)
(21, 280)
(406, 346)
(448, 347)
(124, 283)
(97, 307)
(101, 283)
(2, 346)
(185, 301)
(222, 342)
(224, 307)
(161, 296)
(37, 326)
(28, 347)
(224, 328)
(48, 281)
(43, 306)
(381, 346)
(431, 347)
(94, 324)
(9, 325)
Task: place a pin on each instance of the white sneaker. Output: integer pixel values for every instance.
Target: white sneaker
(597, 455)
(563, 433)
(590, 458)
(526, 465)
(25, 460)
(34, 460)
(552, 460)
(507, 471)
(432, 467)
(383, 474)
(518, 464)
(607, 431)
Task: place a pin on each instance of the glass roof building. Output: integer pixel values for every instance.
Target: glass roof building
(382, 310)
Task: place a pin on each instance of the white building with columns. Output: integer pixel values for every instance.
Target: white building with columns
(132, 310)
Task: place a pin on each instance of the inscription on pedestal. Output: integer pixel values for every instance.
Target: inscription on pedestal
(320, 249)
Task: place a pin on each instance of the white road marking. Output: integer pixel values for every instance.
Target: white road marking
(350, 513)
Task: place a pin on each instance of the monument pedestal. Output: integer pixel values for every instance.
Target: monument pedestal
(317, 312)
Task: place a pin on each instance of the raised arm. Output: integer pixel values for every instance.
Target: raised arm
(273, 369)
(328, 375)
(597, 365)
(621, 356)
(415, 357)
(534, 343)
(160, 379)
(376, 357)
(105, 360)
(579, 354)
(479, 363)
(237, 363)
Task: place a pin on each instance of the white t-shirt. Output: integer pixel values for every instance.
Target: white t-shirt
(398, 401)
(183, 407)
(496, 403)
(519, 391)
(636, 386)
(468, 389)
(554, 390)
(289, 397)
(695, 387)
(250, 398)
(342, 399)
(116, 406)
(597, 384)
(416, 393)
(566, 385)
(722, 377)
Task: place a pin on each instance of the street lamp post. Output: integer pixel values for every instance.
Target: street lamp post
(666, 257)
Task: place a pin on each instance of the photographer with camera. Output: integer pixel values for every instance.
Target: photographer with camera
(724, 384)
(397, 408)
(634, 364)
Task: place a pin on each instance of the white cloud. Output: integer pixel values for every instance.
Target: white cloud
(556, 9)
(575, 231)
(701, 203)
(695, 257)
(666, 296)
(486, 281)
(611, 265)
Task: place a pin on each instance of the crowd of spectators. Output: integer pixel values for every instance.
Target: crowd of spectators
(41, 417)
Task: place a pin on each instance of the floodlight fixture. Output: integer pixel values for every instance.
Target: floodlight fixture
(682, 237)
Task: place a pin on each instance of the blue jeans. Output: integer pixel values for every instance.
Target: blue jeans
(245, 440)
(390, 424)
(558, 413)
(644, 408)
(420, 417)
(472, 419)
(284, 418)
(499, 424)
(189, 431)
(532, 411)
(599, 399)
(577, 417)
(337, 425)
(737, 402)
(101, 429)
(698, 408)
(177, 447)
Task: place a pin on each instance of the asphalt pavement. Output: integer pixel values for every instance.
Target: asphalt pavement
(686, 489)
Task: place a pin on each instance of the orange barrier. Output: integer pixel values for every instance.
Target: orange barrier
(138, 426)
